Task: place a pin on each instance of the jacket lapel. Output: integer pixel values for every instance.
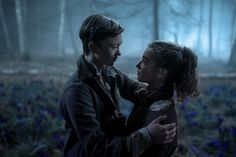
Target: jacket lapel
(89, 76)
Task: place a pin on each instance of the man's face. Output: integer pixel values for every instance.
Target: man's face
(108, 50)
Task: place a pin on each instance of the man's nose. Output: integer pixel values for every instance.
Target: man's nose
(118, 52)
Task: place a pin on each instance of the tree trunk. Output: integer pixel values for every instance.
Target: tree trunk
(219, 23)
(71, 35)
(233, 23)
(232, 59)
(26, 54)
(156, 19)
(5, 30)
(200, 26)
(175, 33)
(37, 22)
(210, 28)
(61, 28)
(20, 25)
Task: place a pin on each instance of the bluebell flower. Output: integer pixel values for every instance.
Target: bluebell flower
(2, 122)
(228, 102)
(232, 93)
(215, 143)
(38, 97)
(219, 120)
(42, 154)
(213, 90)
(182, 149)
(191, 114)
(43, 113)
(52, 112)
(21, 106)
(22, 121)
(192, 123)
(221, 153)
(200, 102)
(226, 145)
(29, 95)
(233, 132)
(193, 149)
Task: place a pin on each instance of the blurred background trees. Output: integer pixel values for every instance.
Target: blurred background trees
(44, 28)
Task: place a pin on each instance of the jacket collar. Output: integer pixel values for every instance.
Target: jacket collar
(88, 70)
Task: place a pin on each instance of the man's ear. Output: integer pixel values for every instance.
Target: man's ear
(92, 46)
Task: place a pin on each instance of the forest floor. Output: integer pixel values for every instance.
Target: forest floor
(65, 67)
(31, 124)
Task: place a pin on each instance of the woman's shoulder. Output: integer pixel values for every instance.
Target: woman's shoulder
(163, 107)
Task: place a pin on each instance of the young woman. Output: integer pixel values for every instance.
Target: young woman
(170, 72)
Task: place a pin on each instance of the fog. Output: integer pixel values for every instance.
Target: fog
(50, 28)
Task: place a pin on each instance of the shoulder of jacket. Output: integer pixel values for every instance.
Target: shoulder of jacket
(111, 70)
(74, 83)
(77, 86)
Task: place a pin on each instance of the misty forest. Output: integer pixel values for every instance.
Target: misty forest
(39, 46)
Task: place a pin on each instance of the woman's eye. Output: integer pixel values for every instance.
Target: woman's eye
(144, 61)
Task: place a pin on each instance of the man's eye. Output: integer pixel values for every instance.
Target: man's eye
(115, 47)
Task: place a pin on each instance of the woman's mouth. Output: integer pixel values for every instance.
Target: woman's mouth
(138, 73)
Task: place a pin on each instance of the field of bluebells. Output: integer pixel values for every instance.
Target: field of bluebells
(31, 126)
(207, 124)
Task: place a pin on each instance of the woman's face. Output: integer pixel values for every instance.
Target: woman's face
(146, 67)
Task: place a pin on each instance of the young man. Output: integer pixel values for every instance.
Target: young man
(90, 101)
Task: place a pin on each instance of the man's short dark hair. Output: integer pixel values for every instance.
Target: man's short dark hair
(96, 28)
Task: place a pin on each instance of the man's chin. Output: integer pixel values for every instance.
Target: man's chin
(110, 64)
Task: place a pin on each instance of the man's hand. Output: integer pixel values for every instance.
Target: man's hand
(146, 95)
(161, 134)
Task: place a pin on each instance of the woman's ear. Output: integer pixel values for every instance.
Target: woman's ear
(161, 73)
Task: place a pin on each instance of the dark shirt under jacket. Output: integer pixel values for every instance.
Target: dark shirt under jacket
(89, 108)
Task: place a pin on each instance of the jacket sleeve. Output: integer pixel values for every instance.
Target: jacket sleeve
(80, 112)
(138, 141)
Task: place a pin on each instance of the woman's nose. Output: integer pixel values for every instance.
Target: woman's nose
(138, 65)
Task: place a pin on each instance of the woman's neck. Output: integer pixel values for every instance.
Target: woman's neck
(163, 92)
